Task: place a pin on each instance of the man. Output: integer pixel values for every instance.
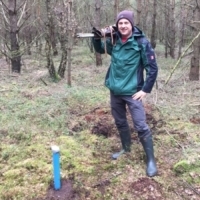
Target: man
(131, 54)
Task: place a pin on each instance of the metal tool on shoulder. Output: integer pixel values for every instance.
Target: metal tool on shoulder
(107, 32)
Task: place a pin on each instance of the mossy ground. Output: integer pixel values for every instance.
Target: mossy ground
(35, 116)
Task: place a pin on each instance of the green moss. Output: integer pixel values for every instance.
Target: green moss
(31, 164)
(21, 192)
(182, 166)
(109, 166)
(14, 173)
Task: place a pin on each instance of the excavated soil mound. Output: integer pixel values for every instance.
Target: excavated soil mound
(65, 193)
(100, 121)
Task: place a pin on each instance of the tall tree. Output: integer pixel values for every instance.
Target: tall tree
(116, 8)
(166, 32)
(144, 16)
(172, 31)
(48, 37)
(70, 38)
(65, 26)
(139, 10)
(194, 68)
(182, 22)
(98, 6)
(153, 30)
(14, 29)
(17, 30)
(12, 13)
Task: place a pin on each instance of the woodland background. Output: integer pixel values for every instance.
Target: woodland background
(27, 26)
(52, 92)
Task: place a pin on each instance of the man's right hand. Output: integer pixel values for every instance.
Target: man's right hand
(97, 33)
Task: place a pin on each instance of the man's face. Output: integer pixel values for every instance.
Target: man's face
(125, 28)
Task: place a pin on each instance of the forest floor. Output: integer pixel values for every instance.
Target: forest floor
(37, 113)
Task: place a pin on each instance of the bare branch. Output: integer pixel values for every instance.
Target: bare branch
(23, 11)
(21, 6)
(189, 5)
(195, 21)
(190, 187)
(27, 24)
(4, 15)
(198, 4)
(3, 4)
(5, 54)
(177, 63)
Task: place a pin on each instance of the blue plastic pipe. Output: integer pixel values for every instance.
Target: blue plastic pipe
(56, 167)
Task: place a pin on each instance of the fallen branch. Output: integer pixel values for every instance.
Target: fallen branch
(190, 187)
(177, 63)
(43, 81)
(174, 139)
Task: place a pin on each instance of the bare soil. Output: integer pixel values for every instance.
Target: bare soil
(66, 192)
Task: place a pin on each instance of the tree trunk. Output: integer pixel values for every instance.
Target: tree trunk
(153, 31)
(63, 44)
(172, 31)
(167, 28)
(145, 16)
(139, 10)
(70, 41)
(90, 45)
(50, 64)
(53, 38)
(62, 66)
(27, 33)
(98, 25)
(116, 9)
(51, 29)
(15, 51)
(182, 28)
(194, 70)
(48, 48)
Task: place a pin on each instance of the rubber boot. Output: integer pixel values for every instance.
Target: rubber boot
(147, 144)
(125, 137)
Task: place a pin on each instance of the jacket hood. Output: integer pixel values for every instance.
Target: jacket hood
(137, 32)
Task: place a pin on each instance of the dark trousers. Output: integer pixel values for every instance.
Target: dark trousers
(118, 109)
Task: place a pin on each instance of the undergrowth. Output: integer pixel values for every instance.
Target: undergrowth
(35, 116)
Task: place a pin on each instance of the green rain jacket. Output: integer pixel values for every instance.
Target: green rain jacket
(125, 75)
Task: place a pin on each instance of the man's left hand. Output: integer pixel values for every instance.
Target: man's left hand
(139, 95)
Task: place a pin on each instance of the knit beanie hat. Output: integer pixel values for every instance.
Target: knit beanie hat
(125, 14)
